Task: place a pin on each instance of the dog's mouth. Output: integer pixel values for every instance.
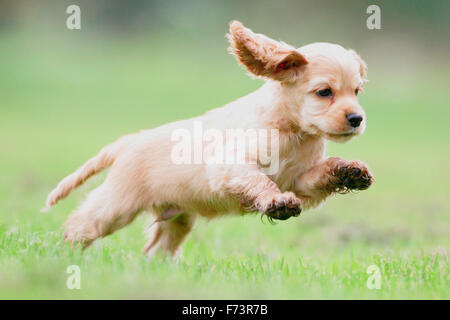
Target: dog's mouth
(337, 136)
(344, 136)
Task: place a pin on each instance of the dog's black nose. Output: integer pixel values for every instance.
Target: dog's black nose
(354, 119)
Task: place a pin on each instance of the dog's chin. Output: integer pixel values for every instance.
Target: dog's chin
(340, 137)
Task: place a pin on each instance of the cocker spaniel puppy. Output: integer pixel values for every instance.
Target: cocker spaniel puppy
(263, 152)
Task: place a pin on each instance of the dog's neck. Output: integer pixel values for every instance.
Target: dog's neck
(276, 110)
(273, 109)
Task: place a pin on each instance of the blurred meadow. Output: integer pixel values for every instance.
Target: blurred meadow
(134, 65)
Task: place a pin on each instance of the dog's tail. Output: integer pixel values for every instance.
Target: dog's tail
(104, 159)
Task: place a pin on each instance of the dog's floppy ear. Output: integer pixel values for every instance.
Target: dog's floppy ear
(264, 57)
(362, 64)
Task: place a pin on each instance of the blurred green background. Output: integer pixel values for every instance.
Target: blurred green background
(64, 94)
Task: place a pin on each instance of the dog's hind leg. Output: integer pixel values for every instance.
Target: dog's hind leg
(168, 235)
(104, 211)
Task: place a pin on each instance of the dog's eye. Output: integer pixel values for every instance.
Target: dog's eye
(325, 93)
(356, 91)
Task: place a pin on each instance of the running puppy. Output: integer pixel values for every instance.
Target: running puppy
(310, 96)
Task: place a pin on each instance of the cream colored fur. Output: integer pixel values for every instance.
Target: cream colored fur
(143, 177)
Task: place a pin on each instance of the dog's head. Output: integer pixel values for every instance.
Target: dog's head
(319, 82)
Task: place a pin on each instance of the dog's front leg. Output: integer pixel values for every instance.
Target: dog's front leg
(257, 192)
(332, 175)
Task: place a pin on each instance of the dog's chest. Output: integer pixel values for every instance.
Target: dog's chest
(296, 158)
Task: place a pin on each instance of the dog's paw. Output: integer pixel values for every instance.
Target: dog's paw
(280, 206)
(350, 175)
(78, 234)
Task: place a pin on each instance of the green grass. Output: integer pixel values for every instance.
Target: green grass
(61, 103)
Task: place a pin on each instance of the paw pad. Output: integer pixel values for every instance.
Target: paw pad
(351, 176)
(281, 207)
